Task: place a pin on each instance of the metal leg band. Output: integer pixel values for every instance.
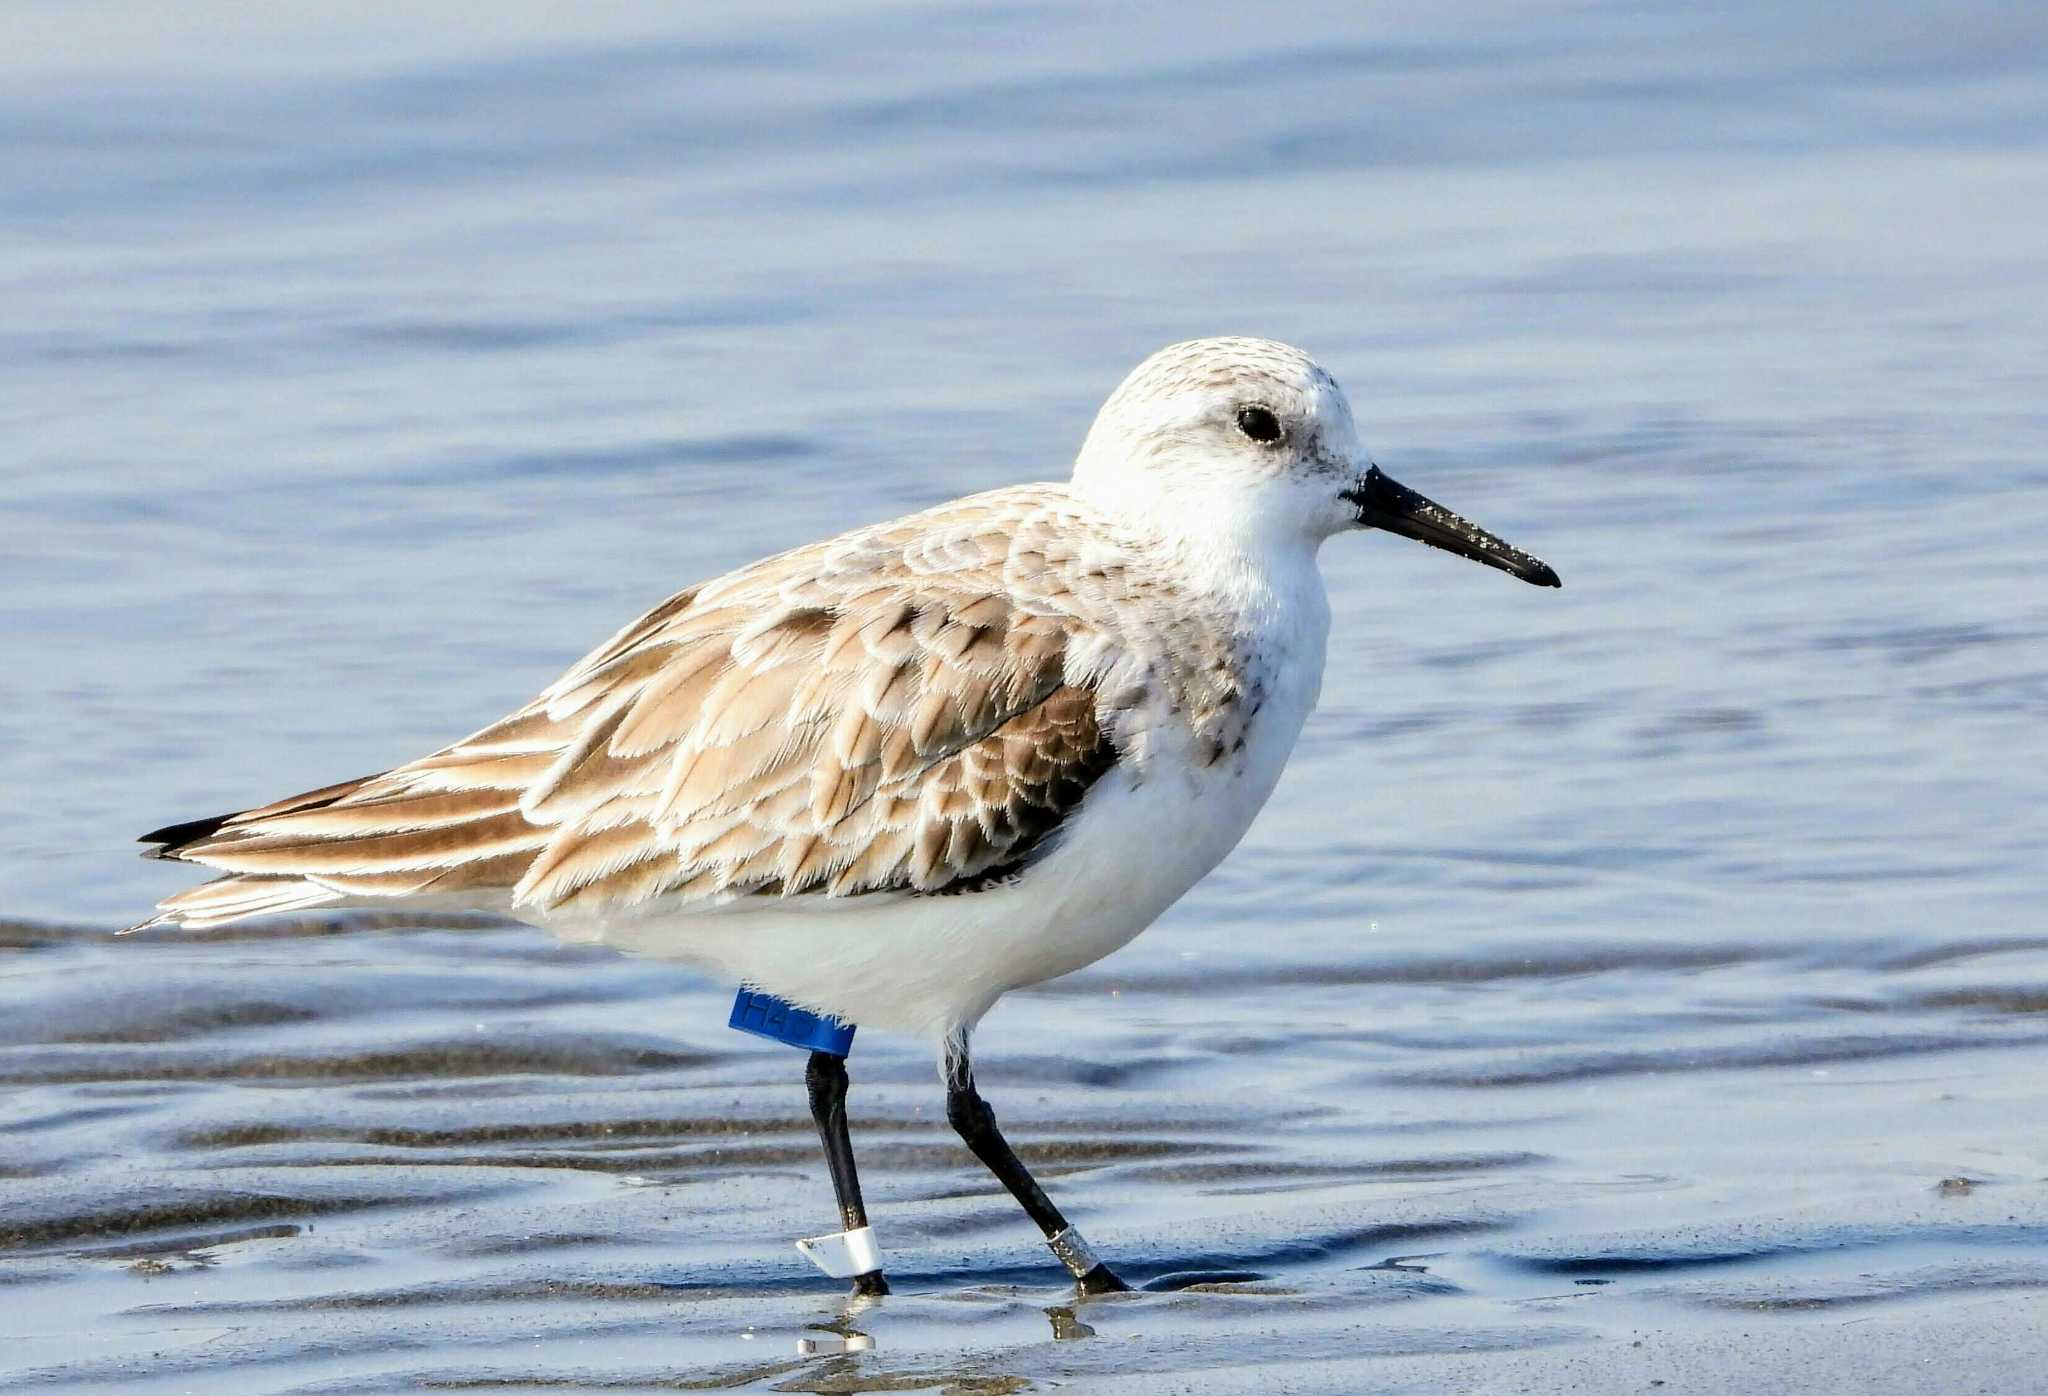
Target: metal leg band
(845, 1254)
(1073, 1252)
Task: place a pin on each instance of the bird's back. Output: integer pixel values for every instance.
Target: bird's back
(916, 707)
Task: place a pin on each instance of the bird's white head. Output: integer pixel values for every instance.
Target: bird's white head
(1254, 438)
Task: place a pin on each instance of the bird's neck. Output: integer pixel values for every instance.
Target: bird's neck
(1258, 569)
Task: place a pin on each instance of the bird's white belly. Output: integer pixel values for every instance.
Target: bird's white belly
(935, 964)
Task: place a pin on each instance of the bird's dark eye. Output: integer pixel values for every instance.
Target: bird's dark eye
(1259, 424)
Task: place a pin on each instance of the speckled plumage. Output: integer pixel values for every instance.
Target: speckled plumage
(908, 707)
(895, 774)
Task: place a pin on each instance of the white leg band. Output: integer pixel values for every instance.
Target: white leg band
(1073, 1252)
(844, 1254)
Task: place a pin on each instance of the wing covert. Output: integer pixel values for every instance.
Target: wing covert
(877, 713)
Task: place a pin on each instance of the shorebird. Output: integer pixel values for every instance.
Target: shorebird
(886, 778)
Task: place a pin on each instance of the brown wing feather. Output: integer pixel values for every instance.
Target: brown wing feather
(886, 711)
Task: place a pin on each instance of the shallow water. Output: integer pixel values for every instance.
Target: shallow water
(1644, 982)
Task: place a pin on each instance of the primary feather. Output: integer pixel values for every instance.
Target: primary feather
(911, 707)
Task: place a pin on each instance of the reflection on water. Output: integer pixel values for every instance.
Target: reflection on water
(1643, 982)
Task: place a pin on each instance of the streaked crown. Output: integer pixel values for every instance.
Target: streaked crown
(1249, 427)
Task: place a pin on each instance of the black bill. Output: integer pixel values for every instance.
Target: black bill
(1388, 504)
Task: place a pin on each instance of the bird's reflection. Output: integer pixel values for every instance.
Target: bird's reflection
(1065, 1326)
(838, 1337)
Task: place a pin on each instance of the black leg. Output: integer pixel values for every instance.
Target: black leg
(975, 1123)
(826, 1078)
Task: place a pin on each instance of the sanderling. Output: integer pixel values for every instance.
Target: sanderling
(886, 778)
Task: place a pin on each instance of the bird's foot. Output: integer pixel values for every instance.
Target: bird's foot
(1101, 1280)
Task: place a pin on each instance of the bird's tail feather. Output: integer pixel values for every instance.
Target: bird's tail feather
(227, 899)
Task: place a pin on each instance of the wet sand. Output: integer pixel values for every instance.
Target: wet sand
(324, 1157)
